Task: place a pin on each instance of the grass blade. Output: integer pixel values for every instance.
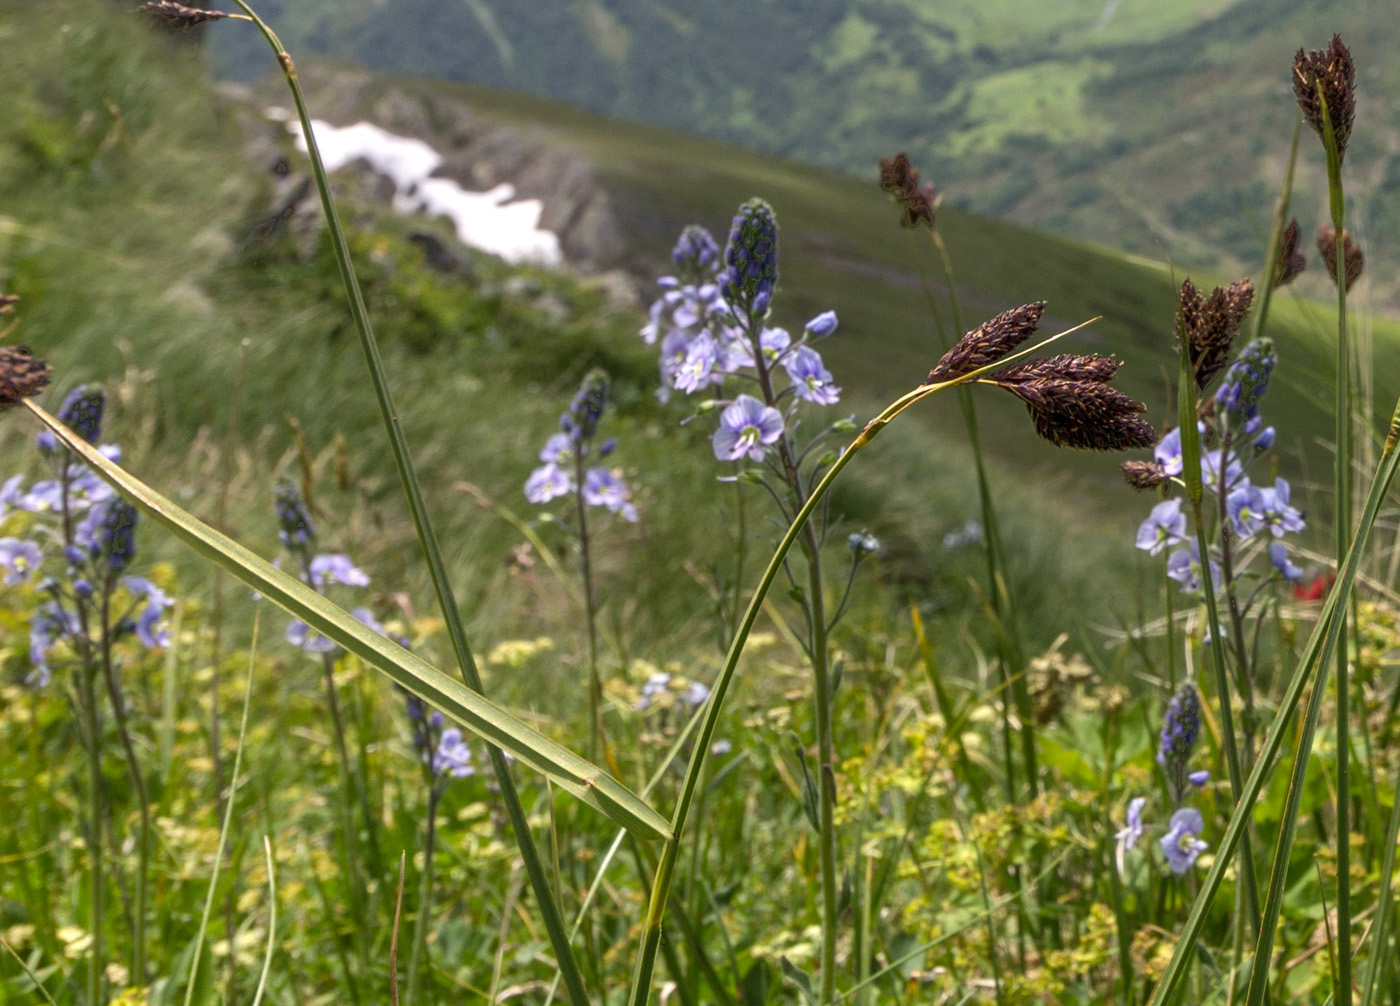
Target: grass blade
(483, 717)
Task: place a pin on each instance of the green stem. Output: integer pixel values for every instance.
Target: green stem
(138, 782)
(534, 866)
(425, 893)
(1343, 457)
(1195, 494)
(590, 616)
(96, 971)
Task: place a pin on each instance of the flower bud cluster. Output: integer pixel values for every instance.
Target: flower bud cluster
(565, 456)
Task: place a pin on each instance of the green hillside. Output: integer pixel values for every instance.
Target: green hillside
(1157, 128)
(131, 255)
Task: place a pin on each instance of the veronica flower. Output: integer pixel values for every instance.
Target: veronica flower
(810, 379)
(548, 482)
(302, 635)
(694, 370)
(1180, 844)
(336, 568)
(745, 427)
(453, 756)
(822, 325)
(153, 601)
(1180, 727)
(602, 488)
(51, 623)
(1278, 556)
(1184, 566)
(1132, 831)
(1164, 527)
(862, 543)
(19, 559)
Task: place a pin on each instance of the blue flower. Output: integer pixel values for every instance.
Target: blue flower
(1165, 526)
(810, 379)
(862, 543)
(822, 325)
(51, 623)
(1132, 832)
(1180, 727)
(336, 568)
(548, 482)
(302, 635)
(602, 488)
(697, 365)
(20, 559)
(1278, 556)
(1180, 844)
(453, 756)
(154, 602)
(1184, 566)
(745, 427)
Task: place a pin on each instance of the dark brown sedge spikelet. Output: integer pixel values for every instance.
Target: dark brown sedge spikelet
(1087, 414)
(176, 16)
(1066, 367)
(1209, 325)
(1144, 474)
(21, 375)
(1333, 69)
(901, 179)
(1351, 253)
(1291, 261)
(988, 343)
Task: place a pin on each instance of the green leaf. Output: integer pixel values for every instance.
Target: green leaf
(476, 713)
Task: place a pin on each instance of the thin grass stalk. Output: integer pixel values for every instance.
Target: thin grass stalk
(1318, 651)
(138, 784)
(1195, 494)
(1343, 455)
(661, 885)
(1011, 655)
(539, 881)
(1380, 931)
(1265, 287)
(88, 702)
(590, 616)
(425, 893)
(226, 826)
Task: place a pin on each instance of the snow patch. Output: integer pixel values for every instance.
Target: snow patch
(493, 221)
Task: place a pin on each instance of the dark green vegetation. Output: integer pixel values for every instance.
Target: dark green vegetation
(1151, 127)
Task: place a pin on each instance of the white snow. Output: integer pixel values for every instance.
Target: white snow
(493, 221)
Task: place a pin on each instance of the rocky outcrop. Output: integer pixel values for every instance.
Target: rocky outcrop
(478, 153)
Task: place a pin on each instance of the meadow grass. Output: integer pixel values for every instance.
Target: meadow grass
(921, 871)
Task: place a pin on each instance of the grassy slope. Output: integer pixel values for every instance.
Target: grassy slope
(1150, 127)
(123, 243)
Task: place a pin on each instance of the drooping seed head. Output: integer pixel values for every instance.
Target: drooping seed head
(989, 342)
(1085, 414)
(900, 179)
(1352, 258)
(177, 17)
(1291, 261)
(1065, 366)
(1332, 72)
(1142, 475)
(22, 375)
(1210, 324)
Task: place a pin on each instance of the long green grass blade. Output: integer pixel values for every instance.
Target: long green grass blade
(487, 720)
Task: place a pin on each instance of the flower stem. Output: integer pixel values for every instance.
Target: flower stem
(425, 893)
